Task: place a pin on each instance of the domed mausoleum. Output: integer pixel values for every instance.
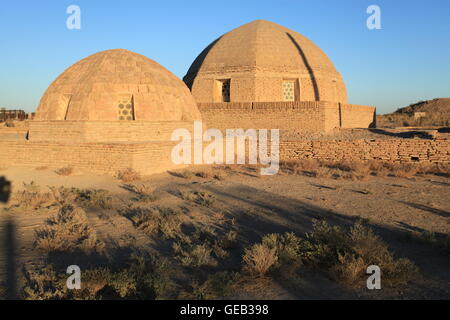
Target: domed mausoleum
(117, 85)
(264, 62)
(263, 74)
(113, 110)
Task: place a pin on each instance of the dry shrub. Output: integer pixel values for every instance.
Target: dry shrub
(128, 175)
(44, 284)
(94, 198)
(65, 171)
(158, 220)
(348, 253)
(345, 169)
(228, 241)
(63, 196)
(218, 286)
(33, 200)
(205, 199)
(307, 167)
(403, 170)
(41, 168)
(203, 247)
(143, 192)
(86, 198)
(349, 170)
(378, 168)
(186, 174)
(360, 170)
(203, 174)
(143, 277)
(66, 231)
(194, 255)
(287, 247)
(259, 258)
(439, 169)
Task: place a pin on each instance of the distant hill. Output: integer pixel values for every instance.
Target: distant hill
(430, 113)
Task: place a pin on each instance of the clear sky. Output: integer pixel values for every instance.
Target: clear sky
(406, 61)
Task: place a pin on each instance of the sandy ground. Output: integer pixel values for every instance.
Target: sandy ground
(393, 207)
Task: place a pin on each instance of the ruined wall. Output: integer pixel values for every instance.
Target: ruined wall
(104, 131)
(401, 150)
(356, 116)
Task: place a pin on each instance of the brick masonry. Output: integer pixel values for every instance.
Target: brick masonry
(104, 131)
(397, 150)
(154, 157)
(308, 116)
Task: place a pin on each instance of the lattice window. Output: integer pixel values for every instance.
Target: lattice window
(288, 91)
(226, 90)
(126, 109)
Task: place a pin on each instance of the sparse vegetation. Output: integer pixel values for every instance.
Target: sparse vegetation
(218, 285)
(65, 171)
(33, 199)
(200, 255)
(144, 277)
(259, 258)
(203, 247)
(358, 170)
(205, 199)
(156, 220)
(143, 192)
(68, 230)
(347, 254)
(128, 175)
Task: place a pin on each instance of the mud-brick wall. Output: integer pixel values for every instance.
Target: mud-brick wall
(305, 116)
(400, 150)
(355, 116)
(149, 157)
(104, 131)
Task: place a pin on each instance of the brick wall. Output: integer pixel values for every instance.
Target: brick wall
(401, 150)
(308, 116)
(104, 131)
(108, 158)
(356, 116)
(154, 157)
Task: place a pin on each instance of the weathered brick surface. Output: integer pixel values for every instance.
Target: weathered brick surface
(400, 150)
(155, 156)
(149, 157)
(92, 89)
(105, 131)
(308, 116)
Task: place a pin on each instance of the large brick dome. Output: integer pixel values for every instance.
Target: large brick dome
(117, 85)
(264, 62)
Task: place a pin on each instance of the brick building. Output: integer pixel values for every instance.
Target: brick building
(267, 75)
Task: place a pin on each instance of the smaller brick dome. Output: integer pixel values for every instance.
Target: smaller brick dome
(117, 85)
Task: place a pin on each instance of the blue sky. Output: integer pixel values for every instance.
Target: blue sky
(406, 61)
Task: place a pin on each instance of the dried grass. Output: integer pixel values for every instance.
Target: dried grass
(128, 175)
